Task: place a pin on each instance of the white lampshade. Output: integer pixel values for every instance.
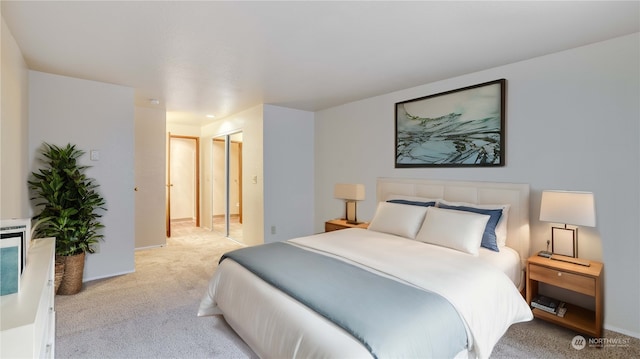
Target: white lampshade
(567, 207)
(349, 191)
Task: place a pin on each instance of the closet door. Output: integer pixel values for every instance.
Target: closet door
(227, 185)
(220, 198)
(235, 187)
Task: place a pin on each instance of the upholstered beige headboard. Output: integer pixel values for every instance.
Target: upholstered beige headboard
(514, 194)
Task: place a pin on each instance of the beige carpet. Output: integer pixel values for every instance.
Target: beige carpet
(152, 313)
(541, 340)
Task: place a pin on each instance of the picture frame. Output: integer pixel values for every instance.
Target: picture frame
(11, 250)
(458, 128)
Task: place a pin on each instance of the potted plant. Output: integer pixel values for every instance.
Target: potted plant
(70, 210)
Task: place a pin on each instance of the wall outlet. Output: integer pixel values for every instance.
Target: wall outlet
(273, 229)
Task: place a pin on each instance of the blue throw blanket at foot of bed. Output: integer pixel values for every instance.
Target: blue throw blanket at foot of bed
(391, 319)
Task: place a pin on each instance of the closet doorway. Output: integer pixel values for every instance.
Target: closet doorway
(183, 187)
(227, 185)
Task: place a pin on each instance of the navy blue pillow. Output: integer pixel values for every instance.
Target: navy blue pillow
(413, 203)
(489, 239)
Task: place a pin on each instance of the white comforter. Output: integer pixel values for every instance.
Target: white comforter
(486, 298)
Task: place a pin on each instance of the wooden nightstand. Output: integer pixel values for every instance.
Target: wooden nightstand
(573, 277)
(336, 224)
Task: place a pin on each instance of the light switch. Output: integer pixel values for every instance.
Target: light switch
(254, 179)
(94, 155)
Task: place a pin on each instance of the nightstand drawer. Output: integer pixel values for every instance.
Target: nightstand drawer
(337, 224)
(328, 227)
(574, 282)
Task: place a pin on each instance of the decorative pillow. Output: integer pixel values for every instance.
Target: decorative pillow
(398, 219)
(458, 230)
(495, 235)
(413, 203)
(411, 198)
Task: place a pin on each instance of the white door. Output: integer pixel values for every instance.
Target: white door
(150, 175)
(183, 178)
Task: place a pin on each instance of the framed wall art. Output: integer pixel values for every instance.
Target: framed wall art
(458, 128)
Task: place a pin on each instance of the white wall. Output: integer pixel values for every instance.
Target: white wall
(250, 123)
(150, 177)
(183, 129)
(13, 130)
(93, 116)
(572, 123)
(288, 173)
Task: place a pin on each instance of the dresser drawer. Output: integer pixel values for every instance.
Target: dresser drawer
(575, 282)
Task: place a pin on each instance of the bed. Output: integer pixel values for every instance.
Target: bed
(438, 273)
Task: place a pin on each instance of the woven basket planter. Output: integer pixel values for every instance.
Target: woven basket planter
(73, 271)
(59, 272)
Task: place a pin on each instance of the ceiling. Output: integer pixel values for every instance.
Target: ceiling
(222, 57)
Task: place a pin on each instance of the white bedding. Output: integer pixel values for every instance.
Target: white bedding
(507, 260)
(274, 325)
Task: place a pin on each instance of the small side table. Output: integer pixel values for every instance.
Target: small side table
(573, 277)
(337, 224)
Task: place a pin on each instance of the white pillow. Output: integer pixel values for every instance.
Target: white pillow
(399, 219)
(459, 230)
(501, 228)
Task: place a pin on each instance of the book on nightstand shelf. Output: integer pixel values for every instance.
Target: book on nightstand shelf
(562, 309)
(546, 303)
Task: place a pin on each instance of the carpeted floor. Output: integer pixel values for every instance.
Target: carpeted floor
(152, 313)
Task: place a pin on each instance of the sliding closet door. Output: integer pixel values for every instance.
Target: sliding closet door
(227, 185)
(235, 186)
(219, 183)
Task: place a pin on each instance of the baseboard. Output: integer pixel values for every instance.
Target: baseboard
(622, 331)
(88, 279)
(149, 247)
(177, 220)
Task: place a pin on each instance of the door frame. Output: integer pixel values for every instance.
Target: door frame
(197, 177)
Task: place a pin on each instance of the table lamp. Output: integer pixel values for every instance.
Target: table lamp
(569, 208)
(350, 193)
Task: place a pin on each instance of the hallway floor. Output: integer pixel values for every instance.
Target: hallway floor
(186, 228)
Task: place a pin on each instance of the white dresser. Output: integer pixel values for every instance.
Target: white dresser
(27, 320)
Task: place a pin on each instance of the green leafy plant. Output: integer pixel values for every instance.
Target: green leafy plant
(71, 205)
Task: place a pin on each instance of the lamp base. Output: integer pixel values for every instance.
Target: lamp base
(545, 254)
(564, 241)
(351, 212)
(582, 262)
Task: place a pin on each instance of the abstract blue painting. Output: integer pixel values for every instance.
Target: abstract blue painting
(458, 128)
